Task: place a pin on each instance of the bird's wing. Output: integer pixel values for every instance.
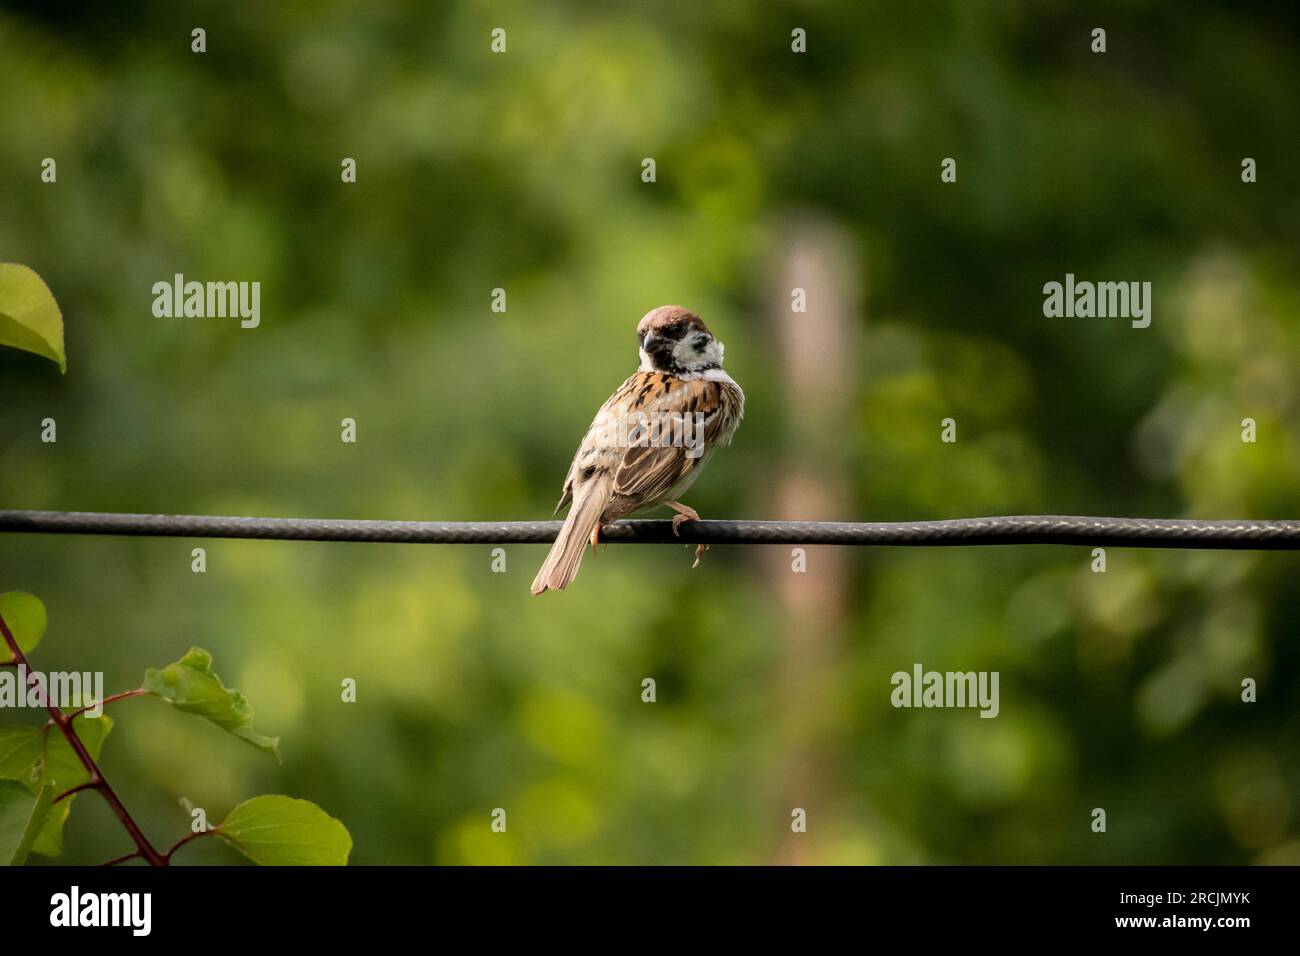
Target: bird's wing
(655, 463)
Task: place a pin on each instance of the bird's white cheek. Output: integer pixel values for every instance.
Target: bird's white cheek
(687, 357)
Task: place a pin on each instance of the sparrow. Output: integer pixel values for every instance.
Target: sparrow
(650, 440)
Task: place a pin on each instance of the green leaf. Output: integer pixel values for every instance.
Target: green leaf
(22, 814)
(191, 686)
(20, 754)
(29, 317)
(25, 617)
(61, 769)
(275, 830)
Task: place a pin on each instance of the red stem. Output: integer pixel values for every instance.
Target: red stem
(88, 785)
(64, 722)
(184, 840)
(139, 691)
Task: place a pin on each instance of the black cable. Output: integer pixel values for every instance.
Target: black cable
(1016, 529)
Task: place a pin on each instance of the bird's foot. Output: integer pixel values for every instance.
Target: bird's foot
(684, 514)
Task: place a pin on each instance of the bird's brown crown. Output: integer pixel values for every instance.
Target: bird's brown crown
(670, 317)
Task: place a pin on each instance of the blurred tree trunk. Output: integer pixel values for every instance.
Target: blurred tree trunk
(818, 351)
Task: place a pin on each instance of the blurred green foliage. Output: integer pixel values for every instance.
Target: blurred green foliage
(1119, 690)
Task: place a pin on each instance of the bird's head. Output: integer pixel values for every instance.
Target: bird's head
(674, 340)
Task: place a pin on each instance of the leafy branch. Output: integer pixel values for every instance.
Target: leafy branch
(40, 776)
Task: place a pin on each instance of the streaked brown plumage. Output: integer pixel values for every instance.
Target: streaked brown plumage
(627, 462)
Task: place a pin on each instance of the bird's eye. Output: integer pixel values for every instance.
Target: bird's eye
(700, 342)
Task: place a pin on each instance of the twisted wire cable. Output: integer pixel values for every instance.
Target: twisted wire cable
(1004, 530)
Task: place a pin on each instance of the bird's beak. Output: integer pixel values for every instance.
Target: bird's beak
(647, 341)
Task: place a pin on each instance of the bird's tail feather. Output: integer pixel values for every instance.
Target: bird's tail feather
(561, 565)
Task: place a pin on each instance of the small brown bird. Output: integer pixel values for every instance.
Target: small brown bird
(650, 440)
